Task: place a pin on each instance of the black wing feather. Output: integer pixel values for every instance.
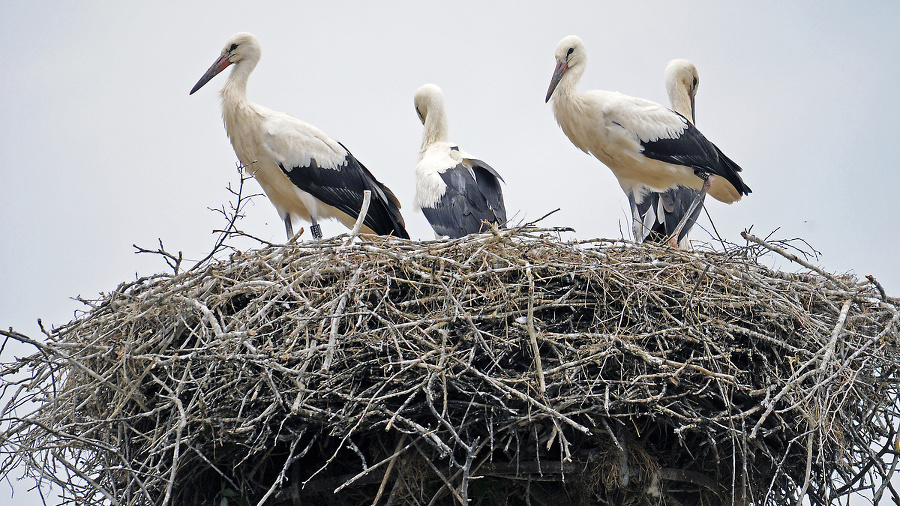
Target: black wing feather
(343, 187)
(693, 150)
(675, 203)
(467, 202)
(488, 181)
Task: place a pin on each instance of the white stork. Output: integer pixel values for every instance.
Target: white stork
(657, 217)
(456, 192)
(645, 144)
(305, 173)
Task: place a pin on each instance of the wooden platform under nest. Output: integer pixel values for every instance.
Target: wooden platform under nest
(505, 368)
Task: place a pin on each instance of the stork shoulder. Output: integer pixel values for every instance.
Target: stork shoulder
(646, 120)
(294, 143)
(438, 157)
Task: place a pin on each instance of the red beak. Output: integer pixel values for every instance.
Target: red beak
(217, 67)
(561, 69)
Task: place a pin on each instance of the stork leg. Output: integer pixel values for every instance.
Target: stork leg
(637, 225)
(707, 182)
(288, 226)
(315, 229)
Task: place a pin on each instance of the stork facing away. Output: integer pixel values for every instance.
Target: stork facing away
(456, 192)
(646, 145)
(305, 173)
(656, 218)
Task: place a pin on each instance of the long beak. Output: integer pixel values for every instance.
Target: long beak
(693, 111)
(217, 67)
(561, 69)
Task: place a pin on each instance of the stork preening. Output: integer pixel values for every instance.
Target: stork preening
(305, 173)
(657, 217)
(646, 145)
(458, 194)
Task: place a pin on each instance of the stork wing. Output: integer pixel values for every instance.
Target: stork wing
(693, 150)
(325, 169)
(488, 181)
(463, 206)
(669, 137)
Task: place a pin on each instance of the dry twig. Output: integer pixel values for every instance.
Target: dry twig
(507, 365)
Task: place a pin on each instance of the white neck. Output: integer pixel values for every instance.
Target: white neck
(680, 100)
(568, 85)
(234, 97)
(436, 129)
(568, 108)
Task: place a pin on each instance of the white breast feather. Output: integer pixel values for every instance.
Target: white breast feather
(436, 159)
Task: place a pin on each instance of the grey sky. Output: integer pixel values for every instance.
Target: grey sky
(102, 147)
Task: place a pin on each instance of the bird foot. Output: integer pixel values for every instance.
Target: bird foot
(673, 241)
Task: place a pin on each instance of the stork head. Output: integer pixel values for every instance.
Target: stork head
(682, 81)
(429, 102)
(570, 54)
(241, 47)
(428, 98)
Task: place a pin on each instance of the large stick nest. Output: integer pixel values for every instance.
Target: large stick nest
(500, 368)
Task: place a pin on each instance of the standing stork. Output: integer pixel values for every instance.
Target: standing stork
(646, 145)
(305, 173)
(658, 215)
(457, 193)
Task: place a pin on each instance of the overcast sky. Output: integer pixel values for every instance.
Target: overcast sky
(101, 147)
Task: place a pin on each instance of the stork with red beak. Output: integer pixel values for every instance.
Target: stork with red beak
(305, 173)
(647, 146)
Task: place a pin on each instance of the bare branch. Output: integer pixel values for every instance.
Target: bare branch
(438, 371)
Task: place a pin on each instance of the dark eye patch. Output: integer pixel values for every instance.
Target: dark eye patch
(571, 50)
(232, 48)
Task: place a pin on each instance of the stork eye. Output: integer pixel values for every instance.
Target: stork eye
(571, 50)
(232, 48)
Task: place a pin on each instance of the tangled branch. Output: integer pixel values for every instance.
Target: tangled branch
(508, 365)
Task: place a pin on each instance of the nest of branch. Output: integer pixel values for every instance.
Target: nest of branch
(505, 367)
